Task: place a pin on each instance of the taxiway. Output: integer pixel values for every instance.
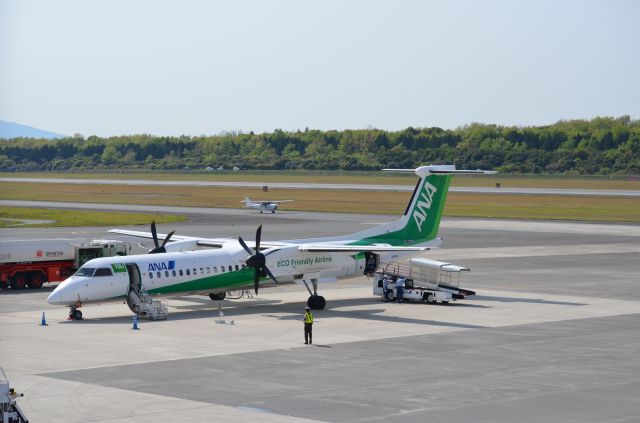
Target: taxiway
(553, 335)
(348, 187)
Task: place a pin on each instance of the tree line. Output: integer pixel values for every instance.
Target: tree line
(603, 145)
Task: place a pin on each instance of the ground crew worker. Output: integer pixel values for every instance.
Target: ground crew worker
(400, 288)
(308, 325)
(385, 288)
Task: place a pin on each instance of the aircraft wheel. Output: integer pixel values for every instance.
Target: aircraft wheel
(273, 211)
(260, 211)
(36, 280)
(316, 302)
(19, 281)
(390, 296)
(77, 315)
(217, 296)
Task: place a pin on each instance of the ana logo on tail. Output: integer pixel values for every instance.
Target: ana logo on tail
(423, 204)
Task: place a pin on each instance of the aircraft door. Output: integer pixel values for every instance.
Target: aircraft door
(135, 287)
(371, 261)
(135, 281)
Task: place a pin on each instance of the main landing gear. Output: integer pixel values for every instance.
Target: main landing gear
(217, 296)
(315, 301)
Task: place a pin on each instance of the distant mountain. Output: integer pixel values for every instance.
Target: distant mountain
(14, 130)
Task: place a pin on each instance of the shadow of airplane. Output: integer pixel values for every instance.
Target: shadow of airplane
(525, 300)
(291, 311)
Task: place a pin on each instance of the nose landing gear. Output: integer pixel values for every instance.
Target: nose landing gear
(74, 313)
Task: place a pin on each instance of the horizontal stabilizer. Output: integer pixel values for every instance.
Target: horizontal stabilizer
(441, 170)
(327, 248)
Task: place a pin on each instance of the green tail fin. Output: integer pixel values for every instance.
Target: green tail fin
(425, 211)
(421, 219)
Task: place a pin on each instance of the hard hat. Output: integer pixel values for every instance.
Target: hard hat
(306, 308)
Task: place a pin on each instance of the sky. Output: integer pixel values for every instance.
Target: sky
(194, 67)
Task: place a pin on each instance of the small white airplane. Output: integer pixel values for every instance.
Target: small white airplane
(262, 205)
(184, 264)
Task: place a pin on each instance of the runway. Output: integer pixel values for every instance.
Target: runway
(552, 336)
(350, 187)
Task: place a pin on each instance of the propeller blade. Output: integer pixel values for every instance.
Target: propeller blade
(154, 234)
(246, 248)
(258, 236)
(256, 280)
(167, 238)
(268, 272)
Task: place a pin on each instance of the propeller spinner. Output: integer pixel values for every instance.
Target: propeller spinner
(257, 260)
(159, 248)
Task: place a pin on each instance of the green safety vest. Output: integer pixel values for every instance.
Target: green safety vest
(308, 317)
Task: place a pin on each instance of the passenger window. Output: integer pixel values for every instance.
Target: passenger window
(195, 271)
(215, 269)
(166, 273)
(174, 273)
(237, 267)
(150, 275)
(201, 270)
(208, 270)
(103, 271)
(188, 272)
(180, 272)
(159, 274)
(222, 269)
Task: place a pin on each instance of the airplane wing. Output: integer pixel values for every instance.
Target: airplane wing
(140, 234)
(328, 248)
(280, 201)
(204, 242)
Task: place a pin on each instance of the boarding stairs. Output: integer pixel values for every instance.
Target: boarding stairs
(146, 306)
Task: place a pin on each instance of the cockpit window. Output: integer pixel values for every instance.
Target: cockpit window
(103, 271)
(85, 271)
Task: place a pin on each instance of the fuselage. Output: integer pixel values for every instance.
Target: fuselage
(203, 271)
(262, 206)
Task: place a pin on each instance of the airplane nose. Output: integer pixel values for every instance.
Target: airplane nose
(55, 297)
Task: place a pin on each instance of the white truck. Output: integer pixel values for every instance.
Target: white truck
(427, 280)
(36, 261)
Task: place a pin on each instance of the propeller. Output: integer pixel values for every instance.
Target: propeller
(159, 248)
(257, 260)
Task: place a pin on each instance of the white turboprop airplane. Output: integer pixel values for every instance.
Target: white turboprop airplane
(213, 266)
(262, 205)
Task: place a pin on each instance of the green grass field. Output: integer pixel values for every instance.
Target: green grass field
(16, 217)
(605, 209)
